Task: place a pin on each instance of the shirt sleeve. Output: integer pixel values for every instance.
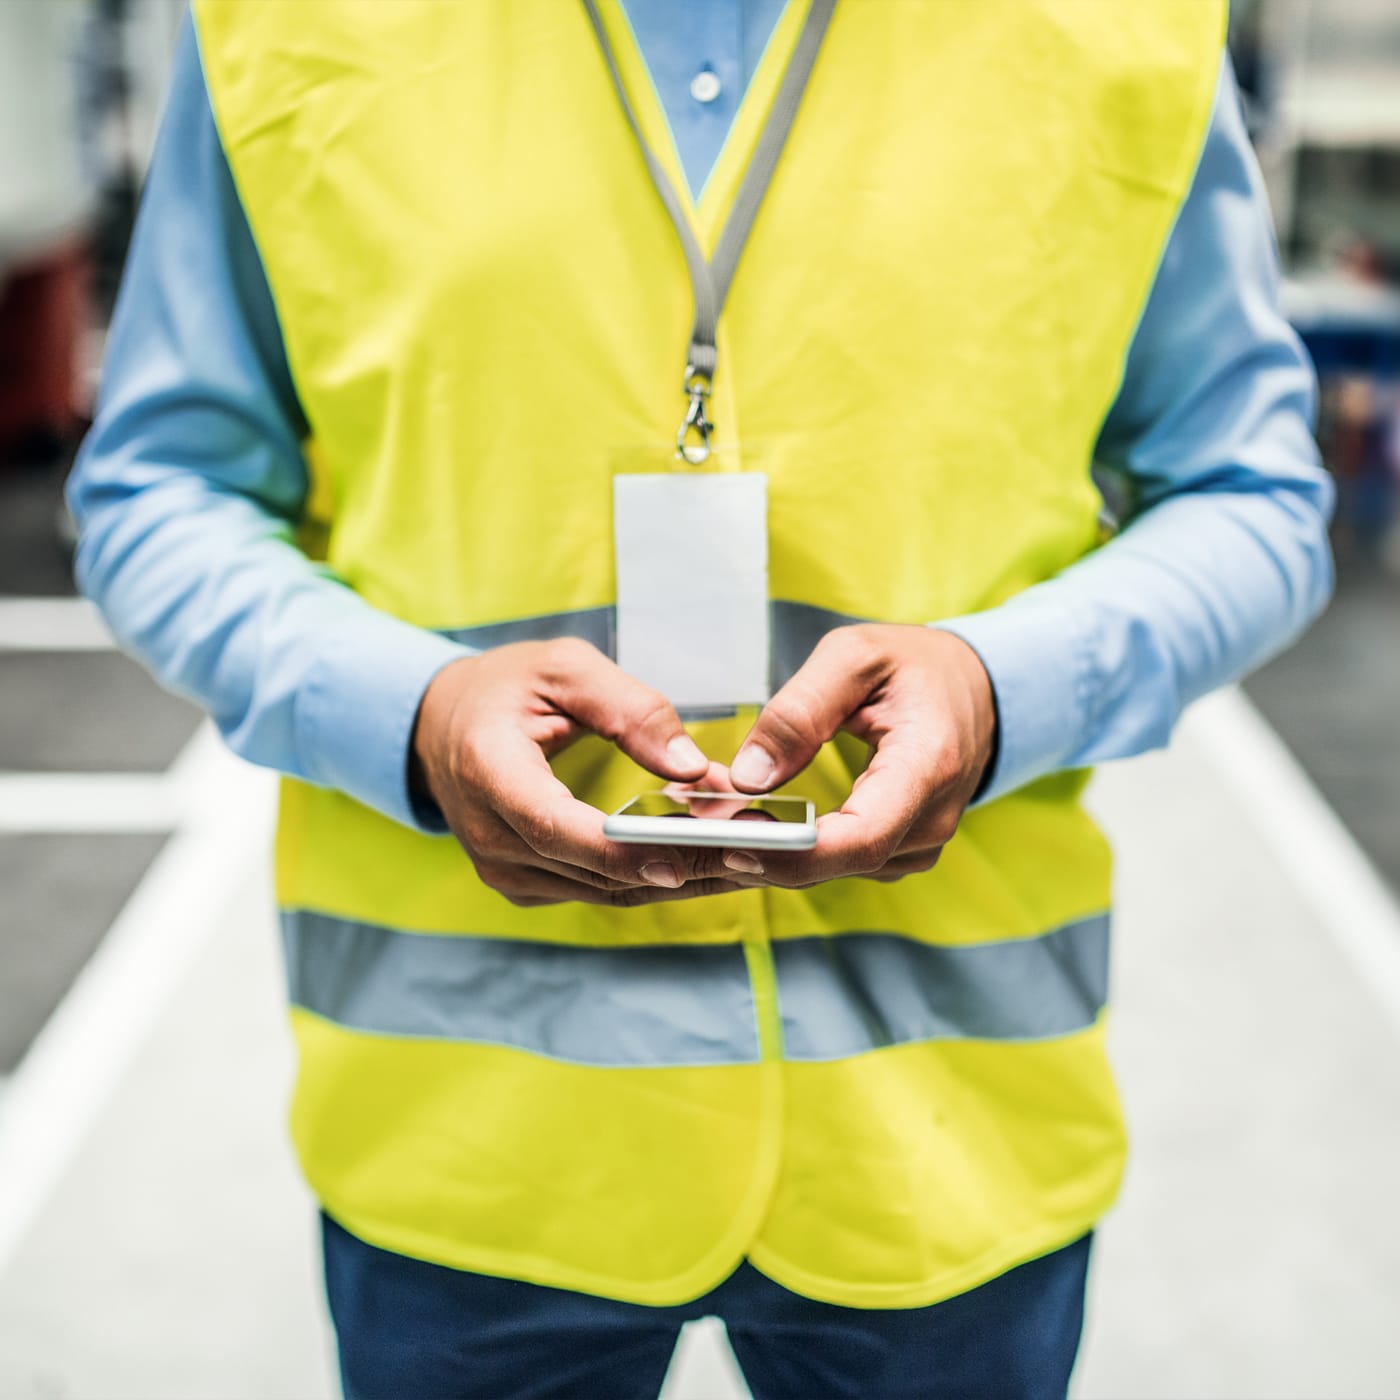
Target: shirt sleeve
(1224, 559)
(189, 488)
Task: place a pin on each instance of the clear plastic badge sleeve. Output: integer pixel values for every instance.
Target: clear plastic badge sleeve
(692, 585)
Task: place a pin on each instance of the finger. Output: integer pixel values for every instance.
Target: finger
(844, 847)
(639, 895)
(666, 867)
(911, 862)
(531, 886)
(499, 853)
(506, 853)
(716, 779)
(870, 829)
(497, 850)
(906, 863)
(834, 682)
(641, 721)
(525, 794)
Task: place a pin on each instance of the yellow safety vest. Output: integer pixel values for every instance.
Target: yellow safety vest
(882, 1095)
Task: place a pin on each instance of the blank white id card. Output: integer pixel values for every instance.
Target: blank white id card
(692, 585)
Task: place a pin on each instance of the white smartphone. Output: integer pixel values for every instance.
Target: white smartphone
(677, 816)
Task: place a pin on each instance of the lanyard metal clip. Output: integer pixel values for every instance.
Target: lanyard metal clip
(710, 280)
(693, 439)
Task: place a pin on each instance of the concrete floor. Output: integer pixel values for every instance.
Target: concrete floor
(1335, 699)
(1256, 1252)
(89, 711)
(80, 713)
(74, 885)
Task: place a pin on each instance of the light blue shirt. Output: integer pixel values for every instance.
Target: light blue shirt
(188, 489)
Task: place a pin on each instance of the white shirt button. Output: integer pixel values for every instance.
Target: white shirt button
(705, 86)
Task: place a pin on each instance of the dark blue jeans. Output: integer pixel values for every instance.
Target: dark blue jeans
(414, 1331)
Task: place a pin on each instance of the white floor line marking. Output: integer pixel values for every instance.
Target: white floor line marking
(74, 803)
(51, 803)
(703, 1365)
(71, 1070)
(1329, 870)
(52, 624)
(202, 755)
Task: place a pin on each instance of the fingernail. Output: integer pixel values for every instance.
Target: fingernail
(752, 768)
(659, 873)
(685, 753)
(743, 862)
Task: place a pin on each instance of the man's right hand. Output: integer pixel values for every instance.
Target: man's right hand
(485, 730)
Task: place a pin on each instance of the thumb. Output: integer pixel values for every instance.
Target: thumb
(600, 695)
(826, 690)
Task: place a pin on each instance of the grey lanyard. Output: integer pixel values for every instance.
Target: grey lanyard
(711, 280)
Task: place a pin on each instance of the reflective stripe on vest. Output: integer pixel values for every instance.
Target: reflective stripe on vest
(482, 297)
(591, 1006)
(652, 1007)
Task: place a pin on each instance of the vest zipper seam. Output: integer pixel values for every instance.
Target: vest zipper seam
(763, 984)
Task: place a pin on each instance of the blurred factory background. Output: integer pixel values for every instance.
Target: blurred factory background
(1323, 83)
(154, 1240)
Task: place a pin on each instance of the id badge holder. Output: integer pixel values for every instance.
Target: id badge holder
(691, 551)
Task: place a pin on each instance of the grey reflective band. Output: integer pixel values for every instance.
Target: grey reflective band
(846, 995)
(711, 280)
(618, 1007)
(793, 630)
(596, 625)
(691, 1004)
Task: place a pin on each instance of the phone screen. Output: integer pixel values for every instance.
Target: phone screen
(717, 807)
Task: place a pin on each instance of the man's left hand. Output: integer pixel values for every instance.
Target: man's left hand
(922, 700)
